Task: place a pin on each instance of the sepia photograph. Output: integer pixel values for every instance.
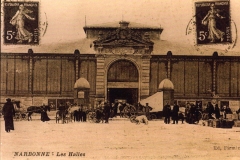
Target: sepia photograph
(129, 80)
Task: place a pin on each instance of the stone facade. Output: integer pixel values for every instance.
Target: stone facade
(121, 66)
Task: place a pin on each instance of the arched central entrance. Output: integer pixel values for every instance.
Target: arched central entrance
(123, 81)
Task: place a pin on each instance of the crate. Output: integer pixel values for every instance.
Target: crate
(225, 123)
(229, 116)
(216, 123)
(237, 123)
(235, 116)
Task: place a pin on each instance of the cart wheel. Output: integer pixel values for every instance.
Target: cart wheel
(132, 118)
(128, 111)
(24, 116)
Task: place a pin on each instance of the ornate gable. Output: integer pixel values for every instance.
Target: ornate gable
(123, 40)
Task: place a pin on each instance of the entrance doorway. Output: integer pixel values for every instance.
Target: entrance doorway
(128, 94)
(123, 81)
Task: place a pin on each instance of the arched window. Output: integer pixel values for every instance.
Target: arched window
(122, 71)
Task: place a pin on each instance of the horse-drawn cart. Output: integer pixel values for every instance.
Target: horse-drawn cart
(20, 115)
(61, 114)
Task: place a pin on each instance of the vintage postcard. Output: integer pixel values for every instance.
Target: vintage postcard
(120, 80)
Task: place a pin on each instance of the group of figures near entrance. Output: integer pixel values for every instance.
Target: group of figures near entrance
(79, 113)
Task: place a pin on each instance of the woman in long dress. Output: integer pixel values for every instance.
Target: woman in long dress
(18, 20)
(210, 20)
(8, 112)
(44, 116)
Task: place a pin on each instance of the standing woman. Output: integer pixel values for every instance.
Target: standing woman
(210, 20)
(44, 116)
(18, 20)
(8, 112)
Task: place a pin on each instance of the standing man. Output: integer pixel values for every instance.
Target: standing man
(193, 117)
(121, 107)
(238, 112)
(167, 113)
(80, 113)
(175, 113)
(8, 112)
(115, 108)
(84, 114)
(217, 111)
(106, 111)
(147, 110)
(210, 110)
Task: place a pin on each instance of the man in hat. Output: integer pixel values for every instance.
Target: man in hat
(167, 113)
(175, 113)
(106, 111)
(8, 112)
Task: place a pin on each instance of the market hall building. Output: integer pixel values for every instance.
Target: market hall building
(125, 61)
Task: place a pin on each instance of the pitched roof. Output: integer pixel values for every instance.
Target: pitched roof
(161, 47)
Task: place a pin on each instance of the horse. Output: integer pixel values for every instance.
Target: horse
(73, 113)
(62, 115)
(38, 109)
(65, 113)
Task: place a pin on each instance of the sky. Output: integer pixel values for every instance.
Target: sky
(66, 18)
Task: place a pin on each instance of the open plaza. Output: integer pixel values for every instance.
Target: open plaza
(119, 139)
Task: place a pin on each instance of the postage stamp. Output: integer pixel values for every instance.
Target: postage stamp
(21, 23)
(213, 22)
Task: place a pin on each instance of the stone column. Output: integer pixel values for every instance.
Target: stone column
(31, 67)
(77, 60)
(100, 78)
(215, 55)
(145, 79)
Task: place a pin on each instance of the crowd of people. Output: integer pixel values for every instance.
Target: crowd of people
(174, 113)
(104, 110)
(193, 113)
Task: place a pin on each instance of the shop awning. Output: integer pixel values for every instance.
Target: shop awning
(155, 101)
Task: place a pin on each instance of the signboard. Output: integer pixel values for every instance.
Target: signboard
(234, 105)
(80, 94)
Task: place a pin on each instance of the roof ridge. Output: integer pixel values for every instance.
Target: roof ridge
(116, 24)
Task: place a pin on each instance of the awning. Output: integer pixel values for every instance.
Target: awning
(155, 101)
